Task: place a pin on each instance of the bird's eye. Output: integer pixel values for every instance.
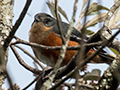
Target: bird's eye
(47, 22)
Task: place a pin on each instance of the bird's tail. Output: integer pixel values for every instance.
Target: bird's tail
(102, 57)
(107, 58)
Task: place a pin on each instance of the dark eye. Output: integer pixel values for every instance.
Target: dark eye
(47, 22)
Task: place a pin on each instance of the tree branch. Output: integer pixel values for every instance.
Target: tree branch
(104, 32)
(58, 22)
(47, 84)
(34, 58)
(31, 83)
(35, 71)
(17, 24)
(20, 41)
(110, 79)
(72, 64)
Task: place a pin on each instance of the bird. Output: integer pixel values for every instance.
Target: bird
(45, 31)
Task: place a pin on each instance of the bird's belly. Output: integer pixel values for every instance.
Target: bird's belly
(50, 61)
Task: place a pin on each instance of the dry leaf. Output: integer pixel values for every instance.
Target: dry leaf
(94, 9)
(63, 13)
(60, 10)
(84, 3)
(52, 9)
(115, 19)
(96, 19)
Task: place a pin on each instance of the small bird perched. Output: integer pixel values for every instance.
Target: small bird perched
(45, 31)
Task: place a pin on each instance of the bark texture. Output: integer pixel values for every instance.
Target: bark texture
(6, 16)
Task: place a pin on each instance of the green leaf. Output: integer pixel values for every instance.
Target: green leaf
(114, 51)
(89, 32)
(98, 18)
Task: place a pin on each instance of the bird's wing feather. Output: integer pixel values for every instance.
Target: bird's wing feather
(65, 28)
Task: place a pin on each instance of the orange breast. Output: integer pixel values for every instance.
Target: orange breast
(54, 40)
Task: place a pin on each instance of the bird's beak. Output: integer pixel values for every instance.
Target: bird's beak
(37, 18)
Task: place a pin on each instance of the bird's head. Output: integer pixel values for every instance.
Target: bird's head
(44, 18)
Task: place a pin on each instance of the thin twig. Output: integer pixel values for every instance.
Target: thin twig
(19, 41)
(17, 24)
(61, 80)
(104, 32)
(31, 83)
(47, 84)
(81, 85)
(110, 14)
(72, 64)
(33, 70)
(83, 63)
(58, 22)
(109, 78)
(82, 50)
(105, 43)
(34, 58)
(64, 46)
